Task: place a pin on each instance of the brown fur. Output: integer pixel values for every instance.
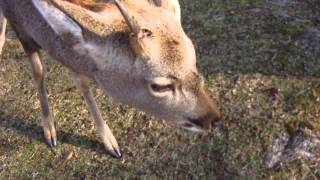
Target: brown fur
(90, 22)
(90, 4)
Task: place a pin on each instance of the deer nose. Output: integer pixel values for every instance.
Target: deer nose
(216, 123)
(206, 122)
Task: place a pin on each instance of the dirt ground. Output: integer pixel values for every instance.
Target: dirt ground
(261, 63)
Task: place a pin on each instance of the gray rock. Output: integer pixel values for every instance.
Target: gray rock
(304, 144)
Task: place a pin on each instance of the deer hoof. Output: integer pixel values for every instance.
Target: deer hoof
(50, 136)
(115, 153)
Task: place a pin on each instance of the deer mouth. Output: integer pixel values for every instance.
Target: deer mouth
(205, 122)
(192, 128)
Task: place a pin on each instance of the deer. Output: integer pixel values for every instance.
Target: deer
(135, 51)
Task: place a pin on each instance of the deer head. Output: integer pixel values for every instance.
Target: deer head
(143, 57)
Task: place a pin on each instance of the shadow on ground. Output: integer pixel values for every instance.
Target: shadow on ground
(34, 131)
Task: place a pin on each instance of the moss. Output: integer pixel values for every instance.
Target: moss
(292, 28)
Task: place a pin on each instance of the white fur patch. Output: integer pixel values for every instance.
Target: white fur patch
(194, 129)
(58, 21)
(105, 56)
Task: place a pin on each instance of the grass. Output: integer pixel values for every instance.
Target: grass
(265, 82)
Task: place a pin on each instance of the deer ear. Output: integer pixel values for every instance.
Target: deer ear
(63, 15)
(89, 20)
(171, 6)
(61, 23)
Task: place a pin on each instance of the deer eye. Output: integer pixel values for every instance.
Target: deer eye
(162, 88)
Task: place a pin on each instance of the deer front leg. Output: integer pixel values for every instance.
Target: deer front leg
(3, 25)
(103, 130)
(47, 119)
